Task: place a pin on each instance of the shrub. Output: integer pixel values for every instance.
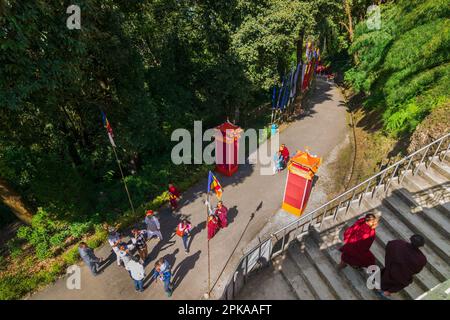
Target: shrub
(78, 229)
(14, 247)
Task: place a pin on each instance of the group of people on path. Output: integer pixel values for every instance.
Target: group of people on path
(402, 259)
(135, 264)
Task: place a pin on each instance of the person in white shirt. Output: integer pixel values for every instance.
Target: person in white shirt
(153, 226)
(137, 273)
(114, 240)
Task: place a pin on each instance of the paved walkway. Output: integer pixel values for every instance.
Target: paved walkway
(245, 193)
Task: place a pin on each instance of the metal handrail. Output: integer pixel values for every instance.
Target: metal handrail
(343, 198)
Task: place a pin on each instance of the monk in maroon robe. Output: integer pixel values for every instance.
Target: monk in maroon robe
(222, 213)
(357, 242)
(174, 194)
(403, 260)
(213, 226)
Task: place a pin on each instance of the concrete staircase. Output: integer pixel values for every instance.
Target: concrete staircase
(420, 204)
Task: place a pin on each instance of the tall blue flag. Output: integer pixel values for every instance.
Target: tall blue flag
(280, 93)
(274, 95)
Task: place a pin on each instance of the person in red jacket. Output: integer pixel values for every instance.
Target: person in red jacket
(183, 230)
(357, 242)
(174, 195)
(285, 154)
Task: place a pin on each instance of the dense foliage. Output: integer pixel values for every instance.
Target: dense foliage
(152, 67)
(404, 67)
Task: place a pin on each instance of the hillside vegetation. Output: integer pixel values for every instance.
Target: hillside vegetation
(404, 67)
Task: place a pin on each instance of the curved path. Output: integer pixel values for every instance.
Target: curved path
(247, 192)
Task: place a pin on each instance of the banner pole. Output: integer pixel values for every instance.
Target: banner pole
(123, 179)
(209, 260)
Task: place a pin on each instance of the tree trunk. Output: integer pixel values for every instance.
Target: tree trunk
(348, 11)
(14, 201)
(2, 8)
(237, 113)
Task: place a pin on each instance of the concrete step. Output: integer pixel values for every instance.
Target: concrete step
(413, 290)
(354, 278)
(317, 286)
(436, 240)
(425, 279)
(444, 208)
(436, 264)
(441, 185)
(421, 190)
(327, 271)
(432, 175)
(435, 217)
(293, 277)
(428, 197)
(442, 167)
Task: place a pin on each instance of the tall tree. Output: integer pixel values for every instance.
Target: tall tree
(14, 201)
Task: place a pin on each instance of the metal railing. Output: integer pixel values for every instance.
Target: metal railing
(278, 241)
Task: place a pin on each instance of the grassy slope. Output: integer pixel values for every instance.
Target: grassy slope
(399, 89)
(404, 68)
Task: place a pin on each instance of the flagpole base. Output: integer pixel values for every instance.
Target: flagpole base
(206, 296)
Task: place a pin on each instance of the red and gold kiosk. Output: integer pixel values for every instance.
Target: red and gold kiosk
(227, 148)
(301, 170)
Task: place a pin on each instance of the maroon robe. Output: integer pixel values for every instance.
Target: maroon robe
(174, 194)
(222, 214)
(213, 226)
(357, 242)
(401, 263)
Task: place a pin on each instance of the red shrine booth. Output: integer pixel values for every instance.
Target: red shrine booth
(227, 148)
(300, 174)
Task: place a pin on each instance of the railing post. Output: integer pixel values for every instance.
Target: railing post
(259, 249)
(350, 201)
(390, 179)
(234, 285)
(400, 180)
(336, 211)
(323, 218)
(246, 268)
(379, 183)
(361, 196)
(282, 243)
(421, 160)
(434, 154)
(445, 154)
(367, 188)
